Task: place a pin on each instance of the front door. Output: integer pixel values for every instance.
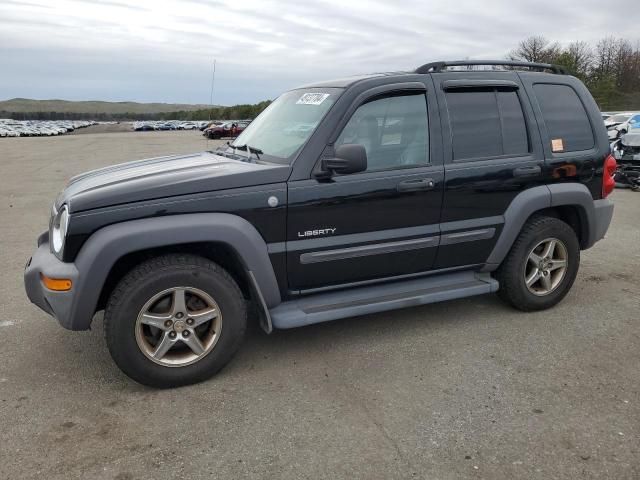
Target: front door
(379, 223)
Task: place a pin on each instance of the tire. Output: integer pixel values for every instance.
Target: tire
(511, 273)
(130, 338)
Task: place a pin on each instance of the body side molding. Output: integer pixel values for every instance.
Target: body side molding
(366, 250)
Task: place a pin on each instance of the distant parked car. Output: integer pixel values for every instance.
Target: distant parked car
(227, 129)
(143, 127)
(205, 125)
(626, 151)
(187, 126)
(618, 125)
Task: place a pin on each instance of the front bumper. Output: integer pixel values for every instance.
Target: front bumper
(60, 305)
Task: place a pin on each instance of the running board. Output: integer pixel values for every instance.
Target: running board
(324, 307)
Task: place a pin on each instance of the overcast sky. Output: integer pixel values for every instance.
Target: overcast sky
(153, 50)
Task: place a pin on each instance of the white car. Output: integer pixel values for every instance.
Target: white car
(621, 123)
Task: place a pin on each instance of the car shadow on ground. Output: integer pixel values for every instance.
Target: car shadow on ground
(83, 356)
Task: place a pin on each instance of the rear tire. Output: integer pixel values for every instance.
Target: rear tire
(186, 301)
(533, 275)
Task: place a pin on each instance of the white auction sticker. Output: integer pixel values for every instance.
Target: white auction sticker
(312, 98)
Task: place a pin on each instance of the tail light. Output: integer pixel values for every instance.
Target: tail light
(608, 183)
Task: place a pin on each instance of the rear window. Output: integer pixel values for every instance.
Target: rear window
(486, 123)
(565, 117)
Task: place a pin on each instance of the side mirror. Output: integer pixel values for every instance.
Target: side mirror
(349, 158)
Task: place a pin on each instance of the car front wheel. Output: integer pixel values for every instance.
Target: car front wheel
(174, 320)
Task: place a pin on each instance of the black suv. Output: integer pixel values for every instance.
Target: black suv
(342, 198)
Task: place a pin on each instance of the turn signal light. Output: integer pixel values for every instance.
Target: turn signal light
(608, 182)
(56, 284)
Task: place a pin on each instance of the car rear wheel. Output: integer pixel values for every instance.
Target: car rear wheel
(542, 265)
(175, 320)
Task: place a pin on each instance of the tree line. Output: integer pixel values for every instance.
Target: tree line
(610, 68)
(247, 111)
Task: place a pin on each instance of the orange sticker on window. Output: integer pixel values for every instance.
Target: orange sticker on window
(557, 145)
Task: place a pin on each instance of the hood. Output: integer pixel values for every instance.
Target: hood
(631, 139)
(164, 177)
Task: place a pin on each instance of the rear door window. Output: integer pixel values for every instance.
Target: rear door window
(486, 123)
(515, 140)
(565, 117)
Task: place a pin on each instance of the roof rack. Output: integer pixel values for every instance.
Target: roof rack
(436, 67)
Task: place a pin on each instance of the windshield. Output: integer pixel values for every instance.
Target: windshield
(618, 118)
(285, 125)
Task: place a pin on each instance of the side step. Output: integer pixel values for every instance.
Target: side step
(324, 307)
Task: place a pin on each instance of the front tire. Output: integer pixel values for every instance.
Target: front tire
(174, 320)
(541, 266)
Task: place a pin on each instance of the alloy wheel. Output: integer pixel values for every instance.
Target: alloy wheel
(178, 326)
(546, 266)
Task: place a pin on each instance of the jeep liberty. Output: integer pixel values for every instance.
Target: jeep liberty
(342, 198)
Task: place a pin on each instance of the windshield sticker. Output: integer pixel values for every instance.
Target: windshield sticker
(312, 98)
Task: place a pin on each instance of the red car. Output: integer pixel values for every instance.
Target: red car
(227, 129)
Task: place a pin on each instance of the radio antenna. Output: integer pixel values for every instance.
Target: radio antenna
(213, 81)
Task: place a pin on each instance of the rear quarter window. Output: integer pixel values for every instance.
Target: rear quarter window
(565, 117)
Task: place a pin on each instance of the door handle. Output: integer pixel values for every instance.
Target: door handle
(527, 171)
(416, 185)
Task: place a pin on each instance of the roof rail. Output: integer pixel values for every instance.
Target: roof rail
(435, 67)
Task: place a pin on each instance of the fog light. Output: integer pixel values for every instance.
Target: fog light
(56, 284)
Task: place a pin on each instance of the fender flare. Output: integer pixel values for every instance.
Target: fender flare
(539, 198)
(106, 246)
(578, 195)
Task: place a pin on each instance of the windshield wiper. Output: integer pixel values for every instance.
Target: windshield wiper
(222, 151)
(248, 149)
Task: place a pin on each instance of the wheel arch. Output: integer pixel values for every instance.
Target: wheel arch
(226, 239)
(570, 202)
(218, 252)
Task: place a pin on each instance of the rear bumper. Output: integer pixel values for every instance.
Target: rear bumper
(60, 305)
(602, 215)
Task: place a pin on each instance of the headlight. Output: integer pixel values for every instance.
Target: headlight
(59, 224)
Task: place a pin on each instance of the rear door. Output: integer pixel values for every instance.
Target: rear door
(492, 152)
(379, 223)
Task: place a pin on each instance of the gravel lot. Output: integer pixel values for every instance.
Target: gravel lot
(463, 389)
